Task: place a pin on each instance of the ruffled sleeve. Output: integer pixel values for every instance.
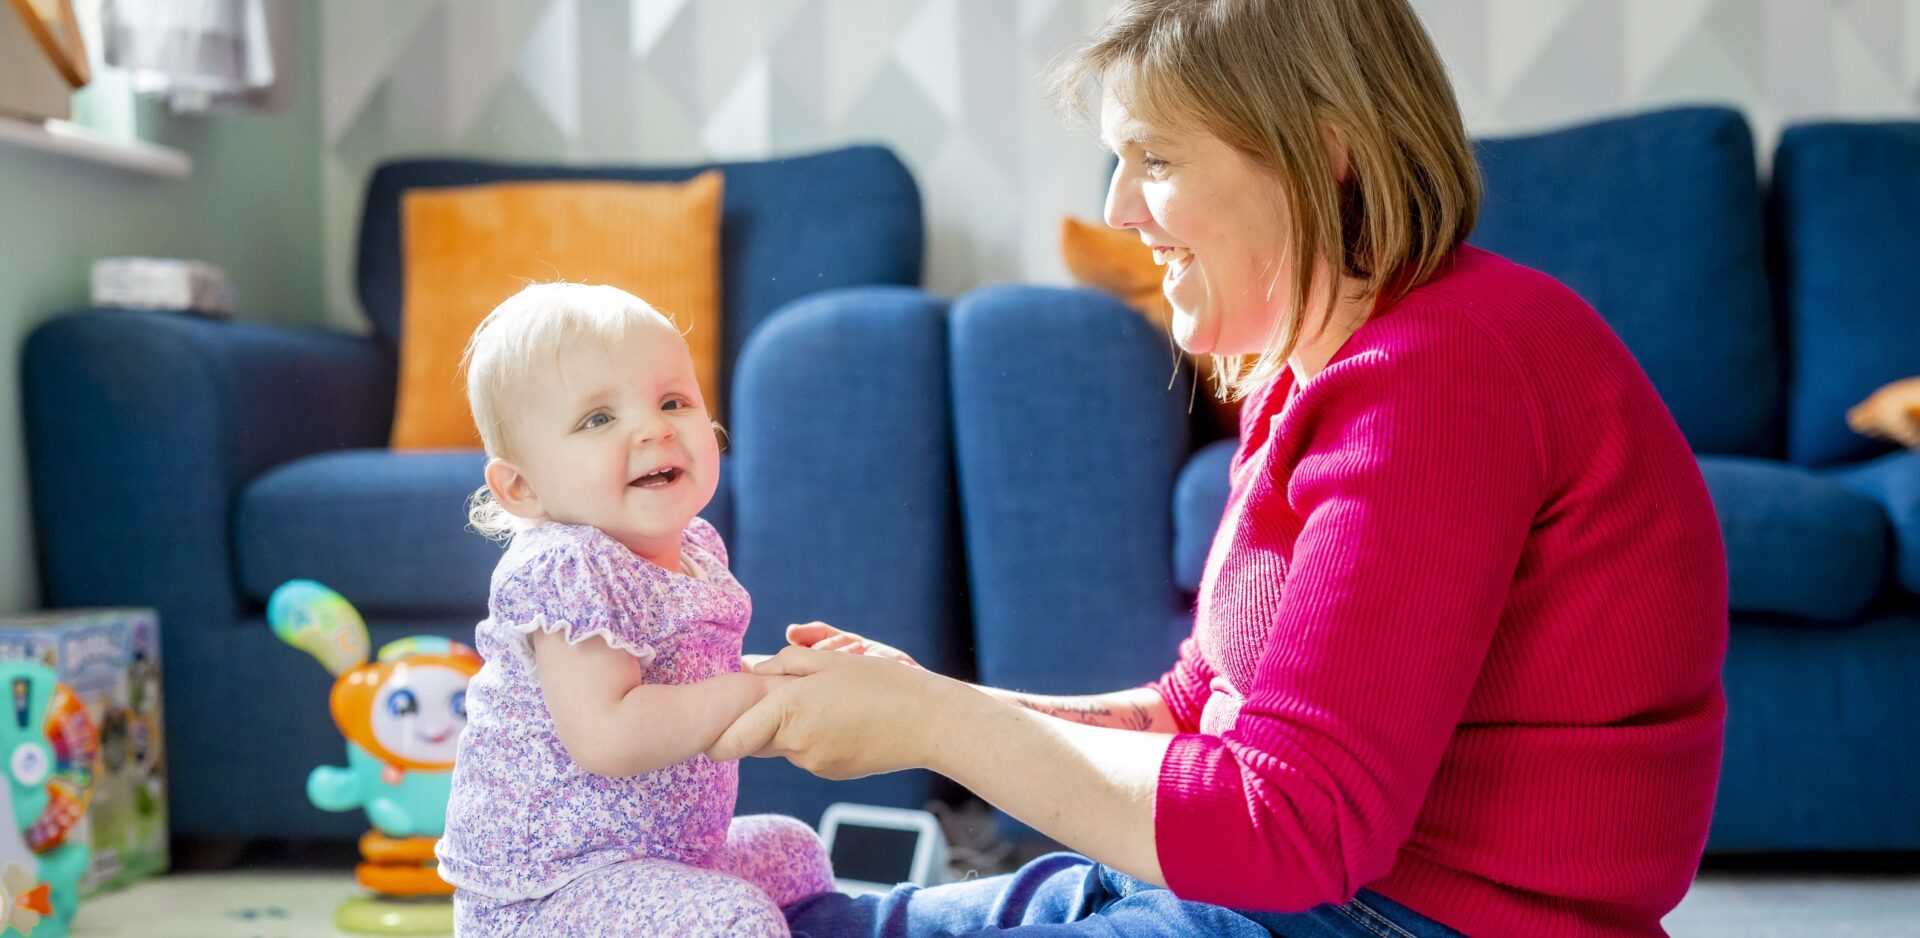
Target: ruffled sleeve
(569, 580)
(702, 534)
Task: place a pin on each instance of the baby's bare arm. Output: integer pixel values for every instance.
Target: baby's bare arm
(613, 723)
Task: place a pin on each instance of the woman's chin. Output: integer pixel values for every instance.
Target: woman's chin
(1188, 335)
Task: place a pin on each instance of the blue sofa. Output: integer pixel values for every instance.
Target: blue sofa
(194, 465)
(1088, 501)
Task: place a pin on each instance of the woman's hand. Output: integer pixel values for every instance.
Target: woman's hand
(846, 716)
(823, 637)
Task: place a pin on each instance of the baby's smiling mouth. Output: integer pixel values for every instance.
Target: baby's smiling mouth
(660, 478)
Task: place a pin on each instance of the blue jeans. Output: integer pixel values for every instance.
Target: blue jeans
(1063, 895)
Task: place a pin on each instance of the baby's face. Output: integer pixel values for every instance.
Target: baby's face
(617, 436)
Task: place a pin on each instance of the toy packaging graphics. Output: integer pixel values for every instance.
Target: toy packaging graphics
(51, 752)
(109, 662)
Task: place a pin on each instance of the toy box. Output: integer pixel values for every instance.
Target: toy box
(111, 659)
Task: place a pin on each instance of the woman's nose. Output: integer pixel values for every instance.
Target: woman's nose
(1126, 207)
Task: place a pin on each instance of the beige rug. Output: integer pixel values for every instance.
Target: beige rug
(300, 905)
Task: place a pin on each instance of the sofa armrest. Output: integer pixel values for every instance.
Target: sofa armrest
(842, 472)
(143, 426)
(1199, 503)
(842, 480)
(1893, 480)
(1068, 440)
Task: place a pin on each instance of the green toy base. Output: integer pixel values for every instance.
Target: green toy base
(372, 915)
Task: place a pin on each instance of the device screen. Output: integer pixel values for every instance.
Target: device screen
(873, 854)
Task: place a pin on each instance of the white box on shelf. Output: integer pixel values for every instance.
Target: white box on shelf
(162, 283)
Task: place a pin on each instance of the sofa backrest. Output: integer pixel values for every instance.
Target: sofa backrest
(1845, 212)
(789, 227)
(1655, 220)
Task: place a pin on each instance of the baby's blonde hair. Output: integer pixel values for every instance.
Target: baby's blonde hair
(525, 336)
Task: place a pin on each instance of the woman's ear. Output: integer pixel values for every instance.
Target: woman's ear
(1339, 153)
(512, 490)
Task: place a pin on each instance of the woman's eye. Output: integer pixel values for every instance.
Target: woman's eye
(1154, 164)
(597, 420)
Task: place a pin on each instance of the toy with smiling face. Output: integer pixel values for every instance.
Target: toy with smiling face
(401, 714)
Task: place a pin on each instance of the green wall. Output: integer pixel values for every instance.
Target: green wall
(252, 206)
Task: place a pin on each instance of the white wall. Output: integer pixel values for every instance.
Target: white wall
(950, 85)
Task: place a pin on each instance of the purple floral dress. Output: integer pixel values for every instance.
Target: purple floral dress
(535, 844)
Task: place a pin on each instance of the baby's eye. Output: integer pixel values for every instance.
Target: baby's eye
(673, 403)
(596, 420)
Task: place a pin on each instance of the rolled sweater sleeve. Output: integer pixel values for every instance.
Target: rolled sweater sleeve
(1185, 687)
(1400, 487)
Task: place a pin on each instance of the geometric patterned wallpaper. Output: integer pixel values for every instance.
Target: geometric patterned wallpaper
(951, 85)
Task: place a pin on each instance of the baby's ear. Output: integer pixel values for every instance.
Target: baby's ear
(513, 491)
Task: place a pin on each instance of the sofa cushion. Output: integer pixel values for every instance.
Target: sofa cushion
(469, 248)
(1199, 502)
(1893, 481)
(788, 228)
(1798, 544)
(1655, 220)
(1844, 202)
(386, 529)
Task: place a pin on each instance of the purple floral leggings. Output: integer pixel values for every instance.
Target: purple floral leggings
(768, 861)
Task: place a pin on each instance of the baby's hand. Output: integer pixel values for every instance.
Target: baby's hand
(824, 637)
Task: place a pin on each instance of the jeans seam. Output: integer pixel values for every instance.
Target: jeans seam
(1393, 928)
(1366, 923)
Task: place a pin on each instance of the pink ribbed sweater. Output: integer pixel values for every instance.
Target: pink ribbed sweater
(1460, 633)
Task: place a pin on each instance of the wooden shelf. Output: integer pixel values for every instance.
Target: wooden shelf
(56, 136)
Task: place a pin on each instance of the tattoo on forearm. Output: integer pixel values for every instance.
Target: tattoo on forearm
(1127, 717)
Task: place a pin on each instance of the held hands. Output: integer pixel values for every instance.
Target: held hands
(824, 637)
(846, 716)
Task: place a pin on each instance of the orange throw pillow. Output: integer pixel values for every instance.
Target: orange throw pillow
(465, 249)
(1117, 263)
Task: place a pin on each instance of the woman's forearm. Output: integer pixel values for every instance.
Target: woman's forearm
(1089, 787)
(1137, 708)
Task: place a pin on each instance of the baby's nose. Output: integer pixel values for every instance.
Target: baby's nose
(653, 431)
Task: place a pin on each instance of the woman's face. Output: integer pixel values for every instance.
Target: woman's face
(1214, 218)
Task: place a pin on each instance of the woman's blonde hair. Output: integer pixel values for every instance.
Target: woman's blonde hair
(525, 336)
(1265, 76)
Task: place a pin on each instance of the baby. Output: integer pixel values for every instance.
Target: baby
(581, 802)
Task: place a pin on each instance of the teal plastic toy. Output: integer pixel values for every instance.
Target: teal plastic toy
(401, 714)
(51, 751)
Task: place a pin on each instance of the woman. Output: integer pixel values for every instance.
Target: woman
(1455, 660)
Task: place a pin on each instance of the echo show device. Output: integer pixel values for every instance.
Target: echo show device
(874, 849)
